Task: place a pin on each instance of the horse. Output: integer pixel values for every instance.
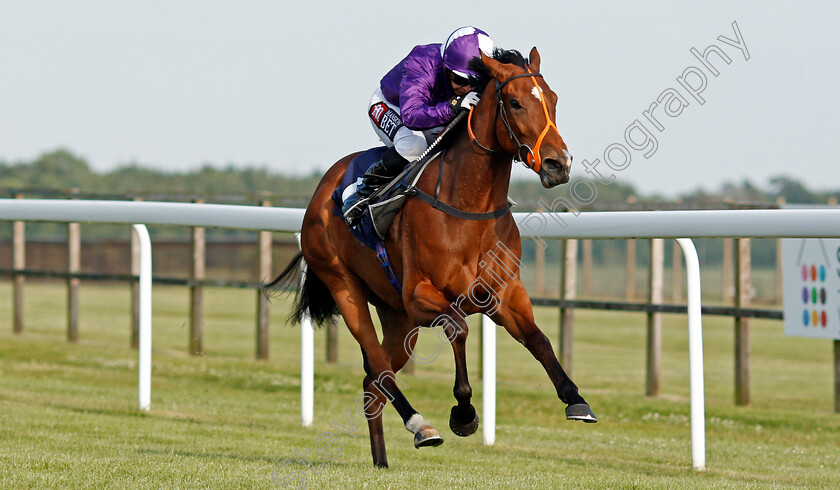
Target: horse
(450, 264)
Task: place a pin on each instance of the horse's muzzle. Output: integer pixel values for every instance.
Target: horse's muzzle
(555, 171)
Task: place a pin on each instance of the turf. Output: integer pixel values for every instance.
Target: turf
(68, 416)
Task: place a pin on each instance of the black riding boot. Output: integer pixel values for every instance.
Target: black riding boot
(379, 174)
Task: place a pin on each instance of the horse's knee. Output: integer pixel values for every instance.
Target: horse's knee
(456, 332)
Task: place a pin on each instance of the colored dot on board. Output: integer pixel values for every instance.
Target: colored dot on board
(813, 273)
(815, 318)
(805, 295)
(823, 295)
(824, 319)
(805, 317)
(804, 272)
(822, 273)
(814, 295)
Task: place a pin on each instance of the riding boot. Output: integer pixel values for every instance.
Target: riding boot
(379, 174)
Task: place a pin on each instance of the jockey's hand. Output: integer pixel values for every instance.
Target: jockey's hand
(463, 103)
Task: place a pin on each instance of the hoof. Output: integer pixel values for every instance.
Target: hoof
(460, 429)
(581, 411)
(427, 436)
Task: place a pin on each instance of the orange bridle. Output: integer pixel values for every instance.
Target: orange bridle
(532, 159)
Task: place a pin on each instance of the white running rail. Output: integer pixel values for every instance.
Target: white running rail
(775, 223)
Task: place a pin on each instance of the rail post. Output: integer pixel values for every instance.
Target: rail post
(630, 278)
(568, 284)
(307, 359)
(695, 355)
(135, 287)
(587, 268)
(726, 270)
(539, 261)
(198, 246)
(676, 275)
(74, 263)
(265, 242)
(743, 288)
(488, 380)
(654, 320)
(144, 355)
(18, 264)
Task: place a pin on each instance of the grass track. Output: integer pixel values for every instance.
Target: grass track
(224, 420)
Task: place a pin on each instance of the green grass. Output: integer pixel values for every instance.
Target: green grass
(68, 413)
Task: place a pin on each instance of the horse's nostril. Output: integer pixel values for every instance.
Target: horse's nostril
(554, 164)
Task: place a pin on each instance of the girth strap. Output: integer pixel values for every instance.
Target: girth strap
(446, 208)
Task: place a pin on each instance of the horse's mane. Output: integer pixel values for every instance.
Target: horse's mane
(507, 56)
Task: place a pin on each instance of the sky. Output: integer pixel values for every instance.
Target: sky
(174, 85)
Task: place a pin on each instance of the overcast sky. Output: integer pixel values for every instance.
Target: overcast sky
(285, 85)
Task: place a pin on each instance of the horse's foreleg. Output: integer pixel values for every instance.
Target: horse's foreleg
(430, 308)
(517, 316)
(463, 420)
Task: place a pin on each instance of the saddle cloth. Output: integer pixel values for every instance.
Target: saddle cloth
(373, 227)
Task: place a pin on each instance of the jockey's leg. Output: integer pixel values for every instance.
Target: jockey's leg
(404, 145)
(379, 174)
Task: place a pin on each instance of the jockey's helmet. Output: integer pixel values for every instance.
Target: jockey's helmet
(462, 46)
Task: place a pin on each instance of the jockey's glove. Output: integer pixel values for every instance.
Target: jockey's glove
(463, 103)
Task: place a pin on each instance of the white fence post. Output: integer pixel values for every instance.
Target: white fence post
(144, 354)
(307, 359)
(488, 380)
(695, 355)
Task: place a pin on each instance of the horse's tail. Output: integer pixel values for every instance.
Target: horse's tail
(313, 297)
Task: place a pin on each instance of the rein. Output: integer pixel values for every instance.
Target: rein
(532, 159)
(409, 177)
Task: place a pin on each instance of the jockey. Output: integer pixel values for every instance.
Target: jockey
(414, 102)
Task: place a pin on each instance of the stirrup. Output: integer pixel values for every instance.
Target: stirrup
(357, 207)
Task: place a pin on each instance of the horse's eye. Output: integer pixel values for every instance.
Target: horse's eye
(515, 104)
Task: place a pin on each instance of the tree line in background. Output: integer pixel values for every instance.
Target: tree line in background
(61, 170)
(54, 173)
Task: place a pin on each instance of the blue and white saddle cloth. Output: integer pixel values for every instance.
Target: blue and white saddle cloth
(364, 230)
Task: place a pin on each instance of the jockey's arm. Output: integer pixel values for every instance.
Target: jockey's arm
(418, 110)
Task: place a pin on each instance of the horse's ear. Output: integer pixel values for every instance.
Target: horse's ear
(534, 57)
(500, 71)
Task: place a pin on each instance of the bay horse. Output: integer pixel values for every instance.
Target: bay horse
(439, 257)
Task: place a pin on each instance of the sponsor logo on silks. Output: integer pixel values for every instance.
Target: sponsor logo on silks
(377, 111)
(386, 119)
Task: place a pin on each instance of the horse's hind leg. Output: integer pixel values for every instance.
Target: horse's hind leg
(350, 296)
(517, 316)
(374, 403)
(396, 326)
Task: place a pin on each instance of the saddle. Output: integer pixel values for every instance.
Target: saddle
(386, 201)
